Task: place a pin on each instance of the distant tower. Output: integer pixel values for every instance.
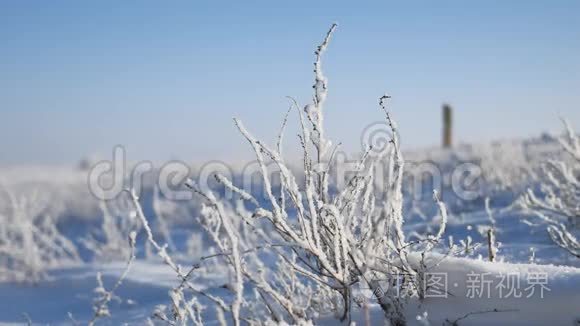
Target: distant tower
(447, 126)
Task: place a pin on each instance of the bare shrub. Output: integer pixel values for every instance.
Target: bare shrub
(558, 200)
(305, 250)
(30, 242)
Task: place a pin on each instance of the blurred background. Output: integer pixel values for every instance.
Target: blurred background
(164, 79)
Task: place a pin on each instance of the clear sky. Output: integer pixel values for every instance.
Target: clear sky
(164, 78)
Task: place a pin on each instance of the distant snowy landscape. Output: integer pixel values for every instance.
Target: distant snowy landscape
(68, 279)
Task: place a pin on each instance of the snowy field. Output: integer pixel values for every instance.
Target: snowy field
(63, 269)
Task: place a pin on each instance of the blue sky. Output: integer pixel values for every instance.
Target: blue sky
(164, 78)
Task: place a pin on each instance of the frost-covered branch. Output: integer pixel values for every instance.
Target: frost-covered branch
(302, 250)
(558, 201)
(30, 242)
(455, 322)
(100, 307)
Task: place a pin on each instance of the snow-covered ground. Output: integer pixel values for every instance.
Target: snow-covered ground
(526, 253)
(148, 284)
